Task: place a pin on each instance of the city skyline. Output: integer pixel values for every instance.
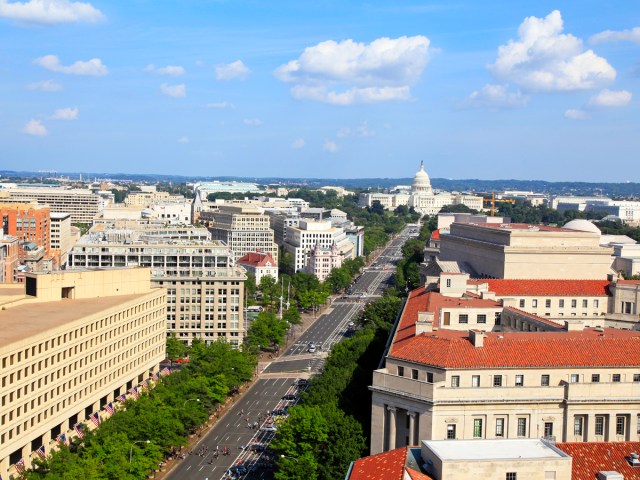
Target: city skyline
(215, 88)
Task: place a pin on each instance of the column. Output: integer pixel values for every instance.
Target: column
(412, 428)
(611, 428)
(392, 427)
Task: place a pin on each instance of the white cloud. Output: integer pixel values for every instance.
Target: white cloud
(348, 72)
(252, 122)
(298, 143)
(65, 114)
(610, 98)
(360, 131)
(630, 35)
(93, 67)
(175, 91)
(221, 105)
(50, 12)
(183, 139)
(45, 86)
(199, 63)
(576, 114)
(330, 146)
(495, 97)
(168, 71)
(36, 128)
(232, 71)
(543, 59)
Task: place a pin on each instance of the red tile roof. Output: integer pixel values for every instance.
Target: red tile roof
(587, 348)
(435, 235)
(548, 288)
(256, 259)
(389, 465)
(535, 317)
(628, 282)
(589, 458)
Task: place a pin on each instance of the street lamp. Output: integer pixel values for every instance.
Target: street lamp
(190, 400)
(286, 456)
(131, 448)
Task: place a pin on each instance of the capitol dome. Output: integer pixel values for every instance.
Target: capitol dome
(582, 225)
(421, 181)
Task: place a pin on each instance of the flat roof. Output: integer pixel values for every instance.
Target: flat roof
(514, 449)
(23, 321)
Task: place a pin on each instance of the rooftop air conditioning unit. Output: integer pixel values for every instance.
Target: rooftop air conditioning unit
(634, 460)
(609, 475)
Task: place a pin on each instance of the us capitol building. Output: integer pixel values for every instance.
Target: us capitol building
(421, 197)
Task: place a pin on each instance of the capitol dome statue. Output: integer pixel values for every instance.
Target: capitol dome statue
(421, 182)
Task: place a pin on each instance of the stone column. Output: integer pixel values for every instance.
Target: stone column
(392, 427)
(412, 428)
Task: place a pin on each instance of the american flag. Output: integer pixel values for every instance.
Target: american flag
(165, 371)
(156, 375)
(20, 465)
(121, 398)
(78, 430)
(41, 452)
(95, 418)
(62, 438)
(134, 392)
(109, 408)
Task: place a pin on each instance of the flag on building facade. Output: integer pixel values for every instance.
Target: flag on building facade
(165, 371)
(134, 392)
(156, 376)
(62, 438)
(121, 398)
(20, 465)
(41, 452)
(109, 408)
(95, 418)
(78, 430)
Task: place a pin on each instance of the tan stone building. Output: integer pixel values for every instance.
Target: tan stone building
(83, 205)
(71, 342)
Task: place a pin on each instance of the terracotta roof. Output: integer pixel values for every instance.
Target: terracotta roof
(256, 259)
(589, 458)
(586, 348)
(535, 317)
(628, 282)
(548, 288)
(435, 235)
(421, 301)
(389, 465)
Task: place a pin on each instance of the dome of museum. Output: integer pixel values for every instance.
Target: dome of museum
(421, 181)
(582, 225)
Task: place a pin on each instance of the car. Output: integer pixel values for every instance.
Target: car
(311, 349)
(258, 447)
(301, 382)
(351, 325)
(290, 396)
(279, 411)
(268, 428)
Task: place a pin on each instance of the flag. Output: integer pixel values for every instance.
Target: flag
(62, 438)
(165, 371)
(156, 376)
(121, 398)
(41, 452)
(78, 430)
(95, 418)
(109, 408)
(20, 465)
(134, 392)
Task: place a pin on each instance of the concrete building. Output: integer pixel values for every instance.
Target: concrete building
(60, 240)
(9, 258)
(70, 343)
(260, 265)
(177, 212)
(243, 228)
(280, 222)
(303, 238)
(83, 205)
(148, 198)
(205, 288)
(205, 188)
(322, 260)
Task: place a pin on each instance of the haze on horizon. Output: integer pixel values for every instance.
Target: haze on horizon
(531, 90)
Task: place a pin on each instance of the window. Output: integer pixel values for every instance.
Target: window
(596, 303)
(577, 426)
(455, 381)
(499, 427)
(522, 427)
(522, 303)
(544, 380)
(475, 381)
(547, 303)
(600, 425)
(511, 476)
(574, 303)
(626, 307)
(638, 426)
(575, 378)
(595, 378)
(620, 425)
(519, 380)
(477, 428)
(429, 377)
(548, 429)
(561, 303)
(464, 318)
(585, 303)
(451, 431)
(414, 374)
(449, 285)
(400, 371)
(498, 318)
(497, 380)
(636, 377)
(615, 377)
(534, 303)
(482, 319)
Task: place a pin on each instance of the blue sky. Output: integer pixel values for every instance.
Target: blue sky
(333, 89)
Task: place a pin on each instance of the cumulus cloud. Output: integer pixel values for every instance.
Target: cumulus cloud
(66, 114)
(93, 67)
(610, 98)
(232, 71)
(630, 35)
(50, 12)
(45, 86)
(183, 139)
(252, 122)
(348, 72)
(175, 91)
(298, 143)
(576, 114)
(360, 131)
(221, 105)
(330, 146)
(493, 96)
(543, 59)
(168, 71)
(35, 128)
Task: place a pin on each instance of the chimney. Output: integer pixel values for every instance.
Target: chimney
(424, 323)
(477, 338)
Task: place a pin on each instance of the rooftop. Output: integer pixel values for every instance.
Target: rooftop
(398, 464)
(589, 458)
(512, 449)
(550, 288)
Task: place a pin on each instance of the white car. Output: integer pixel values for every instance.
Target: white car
(269, 428)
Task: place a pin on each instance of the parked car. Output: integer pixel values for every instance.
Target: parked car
(279, 411)
(290, 396)
(301, 382)
(269, 428)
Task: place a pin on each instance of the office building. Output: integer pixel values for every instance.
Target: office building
(83, 205)
(60, 238)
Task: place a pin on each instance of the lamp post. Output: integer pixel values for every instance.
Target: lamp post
(131, 449)
(286, 456)
(191, 400)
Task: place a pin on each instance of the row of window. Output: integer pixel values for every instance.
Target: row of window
(561, 303)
